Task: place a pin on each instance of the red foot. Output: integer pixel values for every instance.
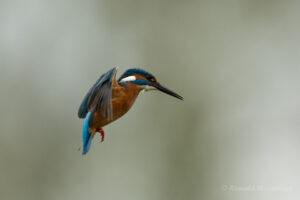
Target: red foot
(101, 131)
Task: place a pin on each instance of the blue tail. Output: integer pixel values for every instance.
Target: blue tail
(86, 135)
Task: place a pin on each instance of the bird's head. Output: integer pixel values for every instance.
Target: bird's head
(145, 81)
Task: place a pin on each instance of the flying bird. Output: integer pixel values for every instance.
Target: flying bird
(109, 99)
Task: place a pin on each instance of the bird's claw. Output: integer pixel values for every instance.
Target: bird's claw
(101, 131)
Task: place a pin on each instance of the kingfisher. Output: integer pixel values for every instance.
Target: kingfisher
(109, 99)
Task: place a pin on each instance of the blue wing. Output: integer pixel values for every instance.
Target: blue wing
(99, 96)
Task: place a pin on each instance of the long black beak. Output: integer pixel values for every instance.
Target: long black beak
(166, 90)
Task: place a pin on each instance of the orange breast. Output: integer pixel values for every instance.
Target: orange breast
(122, 100)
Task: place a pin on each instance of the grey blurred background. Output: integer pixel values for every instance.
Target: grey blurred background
(236, 135)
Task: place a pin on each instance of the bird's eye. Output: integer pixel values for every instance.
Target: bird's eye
(151, 79)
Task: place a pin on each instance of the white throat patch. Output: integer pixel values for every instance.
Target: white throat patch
(147, 88)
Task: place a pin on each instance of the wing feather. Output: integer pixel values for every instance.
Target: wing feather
(99, 95)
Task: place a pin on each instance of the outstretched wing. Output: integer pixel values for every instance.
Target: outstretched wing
(99, 96)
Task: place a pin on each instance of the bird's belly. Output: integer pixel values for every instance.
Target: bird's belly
(120, 104)
(119, 109)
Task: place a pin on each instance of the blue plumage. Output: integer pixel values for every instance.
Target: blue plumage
(141, 82)
(86, 135)
(83, 109)
(133, 71)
